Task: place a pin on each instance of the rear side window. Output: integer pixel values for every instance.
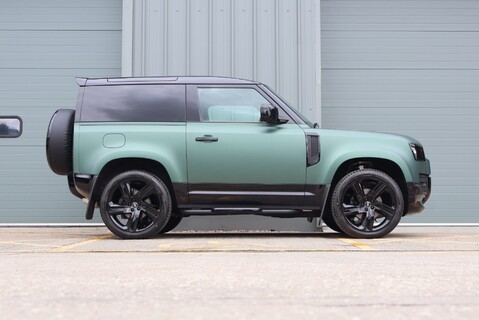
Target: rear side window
(134, 103)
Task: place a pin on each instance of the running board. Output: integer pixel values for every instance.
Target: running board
(254, 211)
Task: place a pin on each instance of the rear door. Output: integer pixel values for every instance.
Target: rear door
(233, 158)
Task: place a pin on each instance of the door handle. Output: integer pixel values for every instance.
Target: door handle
(206, 139)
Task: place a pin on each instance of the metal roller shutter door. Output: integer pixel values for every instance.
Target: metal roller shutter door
(410, 67)
(43, 46)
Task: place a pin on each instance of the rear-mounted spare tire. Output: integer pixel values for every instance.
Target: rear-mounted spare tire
(59, 144)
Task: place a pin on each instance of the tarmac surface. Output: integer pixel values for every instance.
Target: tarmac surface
(87, 273)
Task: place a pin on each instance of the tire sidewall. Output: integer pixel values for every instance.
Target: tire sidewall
(338, 194)
(174, 221)
(59, 142)
(160, 188)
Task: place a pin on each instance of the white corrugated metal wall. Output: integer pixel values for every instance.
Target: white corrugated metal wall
(43, 46)
(272, 41)
(410, 67)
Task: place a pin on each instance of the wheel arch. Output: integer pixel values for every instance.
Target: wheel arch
(387, 166)
(116, 166)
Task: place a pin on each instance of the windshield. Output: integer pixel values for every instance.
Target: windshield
(296, 112)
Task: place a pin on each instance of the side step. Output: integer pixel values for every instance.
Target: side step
(288, 213)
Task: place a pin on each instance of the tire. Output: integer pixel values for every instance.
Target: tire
(59, 144)
(367, 204)
(174, 221)
(329, 221)
(135, 205)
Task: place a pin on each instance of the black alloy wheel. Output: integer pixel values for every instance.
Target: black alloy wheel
(135, 205)
(367, 204)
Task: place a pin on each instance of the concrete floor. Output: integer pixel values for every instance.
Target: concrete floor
(78, 273)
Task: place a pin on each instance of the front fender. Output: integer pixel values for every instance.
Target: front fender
(337, 147)
(332, 164)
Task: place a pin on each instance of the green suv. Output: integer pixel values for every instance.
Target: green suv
(150, 151)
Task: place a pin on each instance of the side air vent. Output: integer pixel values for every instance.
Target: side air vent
(313, 149)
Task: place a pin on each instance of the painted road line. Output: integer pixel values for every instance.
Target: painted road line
(358, 245)
(79, 244)
(211, 250)
(439, 237)
(29, 244)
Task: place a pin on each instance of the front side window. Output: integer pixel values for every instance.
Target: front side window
(10, 127)
(230, 104)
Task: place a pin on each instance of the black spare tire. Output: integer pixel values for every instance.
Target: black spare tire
(59, 144)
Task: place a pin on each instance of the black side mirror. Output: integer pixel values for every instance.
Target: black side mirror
(270, 114)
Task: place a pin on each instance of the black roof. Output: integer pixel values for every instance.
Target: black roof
(82, 82)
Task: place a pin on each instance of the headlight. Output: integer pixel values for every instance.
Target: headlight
(418, 152)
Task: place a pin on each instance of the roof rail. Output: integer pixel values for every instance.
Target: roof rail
(81, 81)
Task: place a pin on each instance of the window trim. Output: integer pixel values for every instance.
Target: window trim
(20, 120)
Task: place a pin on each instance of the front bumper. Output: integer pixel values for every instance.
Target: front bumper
(418, 194)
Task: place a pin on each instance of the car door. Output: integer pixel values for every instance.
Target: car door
(233, 158)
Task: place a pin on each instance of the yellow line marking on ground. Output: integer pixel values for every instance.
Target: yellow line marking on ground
(424, 239)
(213, 250)
(359, 245)
(30, 244)
(79, 244)
(222, 245)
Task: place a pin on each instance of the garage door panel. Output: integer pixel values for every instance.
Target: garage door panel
(85, 42)
(388, 125)
(410, 67)
(53, 76)
(402, 88)
(361, 95)
(391, 19)
(423, 64)
(428, 76)
(411, 119)
(44, 45)
(364, 39)
(394, 5)
(60, 15)
(432, 27)
(403, 110)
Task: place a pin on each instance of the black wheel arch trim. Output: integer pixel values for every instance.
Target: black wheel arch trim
(91, 186)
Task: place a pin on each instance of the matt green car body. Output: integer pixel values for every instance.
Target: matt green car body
(167, 143)
(338, 146)
(247, 153)
(162, 142)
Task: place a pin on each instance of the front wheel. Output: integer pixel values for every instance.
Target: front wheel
(367, 204)
(135, 205)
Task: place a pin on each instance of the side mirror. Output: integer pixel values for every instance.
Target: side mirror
(270, 114)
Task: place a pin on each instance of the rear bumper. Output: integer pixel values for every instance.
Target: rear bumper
(82, 185)
(418, 194)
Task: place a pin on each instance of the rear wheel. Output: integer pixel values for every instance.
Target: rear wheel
(367, 204)
(135, 205)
